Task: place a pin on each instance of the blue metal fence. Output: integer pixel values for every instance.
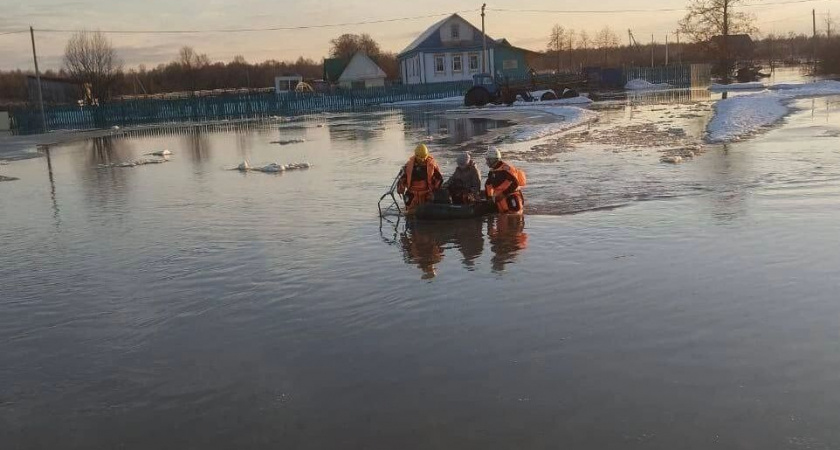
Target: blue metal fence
(680, 76)
(227, 107)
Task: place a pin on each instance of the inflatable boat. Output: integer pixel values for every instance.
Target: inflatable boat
(443, 211)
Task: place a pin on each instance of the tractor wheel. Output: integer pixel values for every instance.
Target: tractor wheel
(476, 96)
(548, 96)
(508, 96)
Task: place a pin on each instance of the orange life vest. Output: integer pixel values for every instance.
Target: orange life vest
(421, 190)
(513, 203)
(421, 185)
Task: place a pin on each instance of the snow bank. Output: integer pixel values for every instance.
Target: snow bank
(570, 117)
(642, 85)
(755, 86)
(818, 88)
(738, 117)
(566, 101)
(560, 118)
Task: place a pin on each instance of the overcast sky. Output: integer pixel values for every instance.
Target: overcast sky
(529, 30)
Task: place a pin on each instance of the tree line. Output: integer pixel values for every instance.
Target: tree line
(91, 59)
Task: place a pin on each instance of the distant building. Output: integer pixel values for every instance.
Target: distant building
(55, 90)
(286, 83)
(451, 50)
(360, 72)
(5, 123)
(741, 46)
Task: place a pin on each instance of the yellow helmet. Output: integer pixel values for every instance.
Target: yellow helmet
(421, 152)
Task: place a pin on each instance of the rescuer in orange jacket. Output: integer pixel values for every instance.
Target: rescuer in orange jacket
(504, 184)
(420, 179)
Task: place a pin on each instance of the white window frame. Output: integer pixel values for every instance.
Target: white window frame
(477, 62)
(442, 59)
(460, 59)
(455, 31)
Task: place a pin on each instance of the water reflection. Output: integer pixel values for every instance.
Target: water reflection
(507, 238)
(449, 130)
(56, 210)
(668, 96)
(199, 145)
(424, 244)
(106, 186)
(359, 127)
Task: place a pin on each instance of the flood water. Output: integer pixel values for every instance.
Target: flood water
(638, 305)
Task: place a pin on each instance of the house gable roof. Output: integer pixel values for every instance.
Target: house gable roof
(333, 68)
(430, 39)
(361, 67)
(739, 42)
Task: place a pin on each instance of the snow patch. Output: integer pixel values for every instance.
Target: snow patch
(642, 85)
(815, 89)
(738, 117)
(570, 117)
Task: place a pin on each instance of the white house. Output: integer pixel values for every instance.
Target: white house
(451, 50)
(361, 72)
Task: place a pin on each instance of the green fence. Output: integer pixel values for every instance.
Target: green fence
(227, 107)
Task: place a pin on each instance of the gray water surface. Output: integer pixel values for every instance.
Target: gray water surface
(188, 306)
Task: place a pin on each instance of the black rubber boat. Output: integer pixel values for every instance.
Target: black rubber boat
(442, 211)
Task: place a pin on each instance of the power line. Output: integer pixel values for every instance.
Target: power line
(653, 10)
(13, 32)
(257, 30)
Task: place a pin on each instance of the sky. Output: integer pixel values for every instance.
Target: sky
(524, 29)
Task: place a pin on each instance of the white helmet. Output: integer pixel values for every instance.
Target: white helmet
(464, 159)
(493, 155)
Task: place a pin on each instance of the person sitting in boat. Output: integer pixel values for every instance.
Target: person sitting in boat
(420, 179)
(464, 185)
(504, 184)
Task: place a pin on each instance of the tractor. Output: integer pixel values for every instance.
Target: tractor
(486, 89)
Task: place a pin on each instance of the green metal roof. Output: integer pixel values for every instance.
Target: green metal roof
(333, 68)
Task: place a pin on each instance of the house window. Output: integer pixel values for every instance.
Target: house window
(457, 63)
(440, 64)
(456, 31)
(510, 64)
(474, 62)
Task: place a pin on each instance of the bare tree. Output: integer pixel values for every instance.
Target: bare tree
(605, 40)
(347, 45)
(706, 19)
(189, 59)
(556, 42)
(90, 59)
(583, 43)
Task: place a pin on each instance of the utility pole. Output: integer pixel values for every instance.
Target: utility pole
(38, 80)
(814, 43)
(666, 49)
(570, 52)
(725, 48)
(651, 49)
(484, 44)
(679, 49)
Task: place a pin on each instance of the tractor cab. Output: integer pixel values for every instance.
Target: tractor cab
(485, 80)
